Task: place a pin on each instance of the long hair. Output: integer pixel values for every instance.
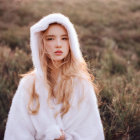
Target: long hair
(69, 70)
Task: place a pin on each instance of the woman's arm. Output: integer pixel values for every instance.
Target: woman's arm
(19, 125)
(83, 123)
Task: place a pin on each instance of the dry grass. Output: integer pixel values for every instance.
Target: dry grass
(109, 34)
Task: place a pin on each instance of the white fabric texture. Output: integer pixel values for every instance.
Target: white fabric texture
(79, 123)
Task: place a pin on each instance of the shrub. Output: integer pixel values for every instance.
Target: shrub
(111, 62)
(15, 37)
(119, 107)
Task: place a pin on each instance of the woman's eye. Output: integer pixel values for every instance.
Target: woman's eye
(49, 38)
(64, 38)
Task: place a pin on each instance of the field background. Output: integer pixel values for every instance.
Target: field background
(109, 34)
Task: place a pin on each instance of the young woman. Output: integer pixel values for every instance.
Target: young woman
(56, 101)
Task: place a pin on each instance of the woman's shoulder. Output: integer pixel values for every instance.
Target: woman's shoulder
(82, 89)
(26, 82)
(82, 82)
(24, 89)
(82, 85)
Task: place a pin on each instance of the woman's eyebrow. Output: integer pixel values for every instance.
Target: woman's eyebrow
(50, 35)
(65, 35)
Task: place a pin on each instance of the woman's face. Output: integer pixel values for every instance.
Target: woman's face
(56, 42)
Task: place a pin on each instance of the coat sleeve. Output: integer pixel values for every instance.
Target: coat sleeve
(19, 125)
(83, 122)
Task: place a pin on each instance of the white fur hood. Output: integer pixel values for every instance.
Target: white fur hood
(43, 25)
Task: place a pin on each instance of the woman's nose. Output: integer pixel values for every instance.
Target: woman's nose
(58, 44)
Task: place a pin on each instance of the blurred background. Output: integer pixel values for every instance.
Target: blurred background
(109, 34)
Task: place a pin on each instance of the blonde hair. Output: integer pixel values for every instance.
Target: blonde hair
(68, 71)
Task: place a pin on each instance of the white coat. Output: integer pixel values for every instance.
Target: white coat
(79, 123)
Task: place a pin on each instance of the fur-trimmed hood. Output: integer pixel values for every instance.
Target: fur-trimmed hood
(42, 25)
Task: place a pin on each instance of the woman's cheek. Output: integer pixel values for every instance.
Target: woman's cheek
(49, 47)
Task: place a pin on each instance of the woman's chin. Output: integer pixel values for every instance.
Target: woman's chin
(59, 59)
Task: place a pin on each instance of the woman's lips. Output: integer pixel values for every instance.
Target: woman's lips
(58, 52)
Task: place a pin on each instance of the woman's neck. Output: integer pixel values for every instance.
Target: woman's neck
(55, 71)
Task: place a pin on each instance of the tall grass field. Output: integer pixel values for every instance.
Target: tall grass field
(109, 35)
